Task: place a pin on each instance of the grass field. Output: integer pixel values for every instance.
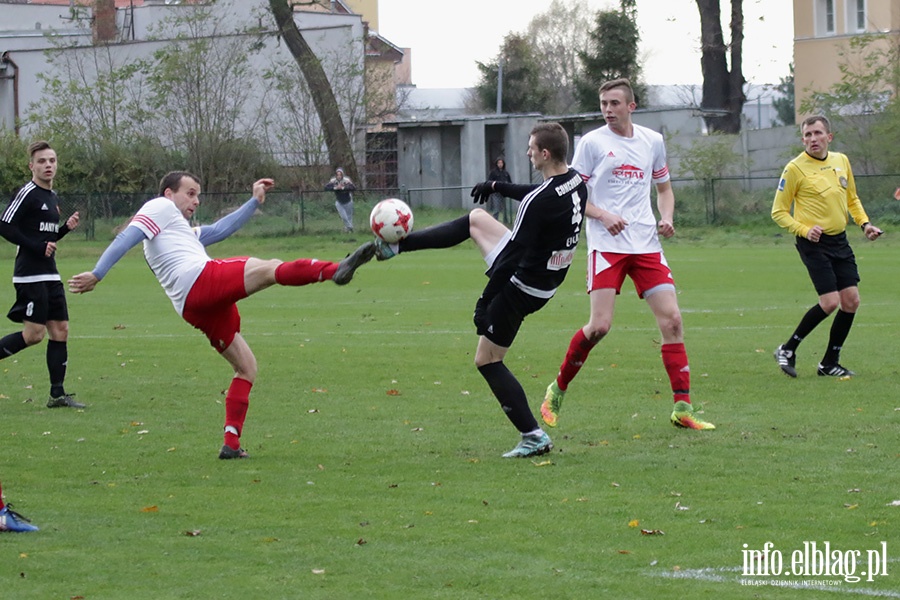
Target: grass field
(376, 468)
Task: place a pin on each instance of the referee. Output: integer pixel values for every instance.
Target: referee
(31, 221)
(820, 186)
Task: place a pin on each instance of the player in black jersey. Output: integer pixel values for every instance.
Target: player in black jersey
(31, 221)
(525, 265)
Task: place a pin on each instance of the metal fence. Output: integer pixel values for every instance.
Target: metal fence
(723, 201)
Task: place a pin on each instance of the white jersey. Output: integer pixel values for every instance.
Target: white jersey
(619, 173)
(172, 248)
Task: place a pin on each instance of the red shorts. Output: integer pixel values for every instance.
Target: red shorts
(211, 305)
(608, 270)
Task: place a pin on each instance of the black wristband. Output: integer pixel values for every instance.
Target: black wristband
(863, 226)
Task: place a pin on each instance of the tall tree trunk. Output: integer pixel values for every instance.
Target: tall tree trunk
(340, 151)
(723, 90)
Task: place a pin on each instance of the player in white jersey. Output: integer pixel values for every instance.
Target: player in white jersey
(620, 161)
(204, 291)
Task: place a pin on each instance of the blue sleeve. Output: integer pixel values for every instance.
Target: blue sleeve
(221, 229)
(125, 241)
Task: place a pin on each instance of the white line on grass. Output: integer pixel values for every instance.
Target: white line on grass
(733, 575)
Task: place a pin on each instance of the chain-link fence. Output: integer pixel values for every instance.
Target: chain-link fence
(725, 201)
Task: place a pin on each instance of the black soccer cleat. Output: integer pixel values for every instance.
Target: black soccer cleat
(227, 453)
(348, 266)
(786, 359)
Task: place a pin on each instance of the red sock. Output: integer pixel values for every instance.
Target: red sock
(675, 361)
(236, 402)
(304, 271)
(579, 348)
(1, 499)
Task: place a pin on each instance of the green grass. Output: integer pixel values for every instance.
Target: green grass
(376, 469)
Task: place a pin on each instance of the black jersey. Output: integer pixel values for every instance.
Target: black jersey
(546, 230)
(30, 221)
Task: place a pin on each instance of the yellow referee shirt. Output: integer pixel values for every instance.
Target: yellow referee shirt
(822, 192)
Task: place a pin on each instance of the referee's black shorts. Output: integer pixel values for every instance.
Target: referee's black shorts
(506, 312)
(830, 262)
(39, 302)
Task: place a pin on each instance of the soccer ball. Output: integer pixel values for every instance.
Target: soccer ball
(391, 220)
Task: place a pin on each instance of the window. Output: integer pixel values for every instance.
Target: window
(824, 16)
(857, 17)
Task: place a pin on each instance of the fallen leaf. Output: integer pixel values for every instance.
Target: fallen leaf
(118, 327)
(624, 551)
(192, 533)
(851, 506)
(150, 509)
(894, 503)
(680, 506)
(318, 571)
(393, 392)
(361, 542)
(23, 555)
(143, 431)
(633, 523)
(853, 491)
(652, 532)
(320, 390)
(543, 463)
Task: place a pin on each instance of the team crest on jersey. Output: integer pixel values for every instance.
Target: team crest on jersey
(628, 172)
(781, 185)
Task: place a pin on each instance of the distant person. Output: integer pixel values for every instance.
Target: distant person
(620, 162)
(31, 221)
(820, 186)
(497, 202)
(342, 188)
(204, 291)
(525, 266)
(13, 521)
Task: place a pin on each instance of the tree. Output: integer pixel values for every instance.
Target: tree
(337, 140)
(558, 37)
(522, 87)
(723, 88)
(785, 105)
(612, 53)
(864, 101)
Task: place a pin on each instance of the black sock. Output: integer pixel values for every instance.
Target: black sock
(12, 343)
(509, 393)
(810, 320)
(443, 235)
(57, 358)
(840, 328)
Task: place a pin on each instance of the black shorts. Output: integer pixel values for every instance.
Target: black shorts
(830, 262)
(506, 312)
(39, 302)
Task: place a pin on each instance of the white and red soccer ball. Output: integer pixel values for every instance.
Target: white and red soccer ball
(391, 220)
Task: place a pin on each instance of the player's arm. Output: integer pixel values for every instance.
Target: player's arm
(665, 204)
(516, 191)
(227, 225)
(11, 233)
(70, 224)
(130, 237)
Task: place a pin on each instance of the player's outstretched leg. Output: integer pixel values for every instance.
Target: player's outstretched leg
(347, 267)
(787, 361)
(684, 416)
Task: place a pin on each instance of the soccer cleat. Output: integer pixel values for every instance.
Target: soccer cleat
(356, 259)
(786, 359)
(683, 416)
(834, 370)
(383, 250)
(13, 521)
(227, 453)
(65, 400)
(531, 445)
(552, 404)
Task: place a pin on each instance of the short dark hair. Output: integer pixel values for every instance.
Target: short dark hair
(553, 138)
(814, 119)
(172, 181)
(619, 83)
(37, 147)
